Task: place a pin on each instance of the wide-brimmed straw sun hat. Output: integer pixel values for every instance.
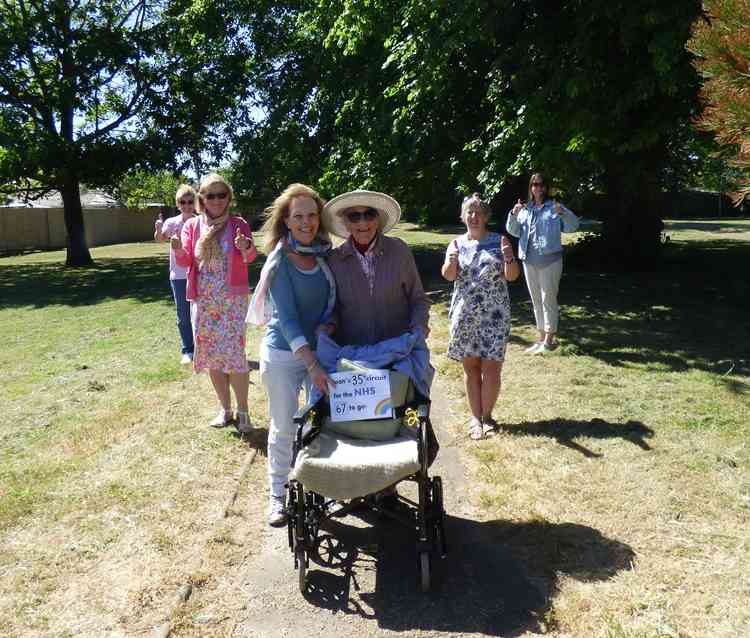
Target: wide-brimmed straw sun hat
(390, 211)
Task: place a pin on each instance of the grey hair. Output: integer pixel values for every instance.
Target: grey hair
(475, 199)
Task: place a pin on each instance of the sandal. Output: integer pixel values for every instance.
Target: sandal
(490, 427)
(222, 419)
(243, 423)
(476, 431)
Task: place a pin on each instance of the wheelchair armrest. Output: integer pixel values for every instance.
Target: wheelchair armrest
(308, 421)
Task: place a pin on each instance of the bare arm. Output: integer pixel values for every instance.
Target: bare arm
(158, 235)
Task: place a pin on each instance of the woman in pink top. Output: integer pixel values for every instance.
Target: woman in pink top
(165, 231)
(216, 248)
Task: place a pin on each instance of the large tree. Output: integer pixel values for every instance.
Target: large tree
(92, 88)
(426, 98)
(721, 41)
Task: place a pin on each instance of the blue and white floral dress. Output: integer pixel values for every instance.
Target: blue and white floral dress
(480, 308)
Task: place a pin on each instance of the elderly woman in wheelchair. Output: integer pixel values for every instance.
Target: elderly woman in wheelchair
(374, 430)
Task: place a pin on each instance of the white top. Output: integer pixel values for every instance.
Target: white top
(172, 227)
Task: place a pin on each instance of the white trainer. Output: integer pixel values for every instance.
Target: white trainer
(186, 359)
(276, 512)
(534, 348)
(222, 419)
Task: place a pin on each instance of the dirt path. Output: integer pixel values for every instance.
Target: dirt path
(481, 589)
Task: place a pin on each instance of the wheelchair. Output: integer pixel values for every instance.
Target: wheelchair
(329, 468)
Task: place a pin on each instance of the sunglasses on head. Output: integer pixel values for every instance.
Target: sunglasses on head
(182, 202)
(215, 195)
(367, 215)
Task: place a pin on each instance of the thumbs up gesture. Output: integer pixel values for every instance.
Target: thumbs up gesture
(241, 242)
(517, 208)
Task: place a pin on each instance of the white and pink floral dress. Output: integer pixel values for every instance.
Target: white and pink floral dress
(219, 318)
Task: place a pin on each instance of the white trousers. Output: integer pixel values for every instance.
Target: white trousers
(543, 284)
(283, 381)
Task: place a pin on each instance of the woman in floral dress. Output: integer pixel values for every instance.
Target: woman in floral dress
(480, 311)
(215, 248)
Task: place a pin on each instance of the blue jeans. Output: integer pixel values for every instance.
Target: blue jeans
(183, 314)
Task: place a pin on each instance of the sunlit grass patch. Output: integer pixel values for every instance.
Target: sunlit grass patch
(107, 469)
(637, 426)
(619, 478)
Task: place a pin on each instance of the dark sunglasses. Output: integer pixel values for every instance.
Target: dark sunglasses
(215, 195)
(367, 215)
(182, 202)
(537, 184)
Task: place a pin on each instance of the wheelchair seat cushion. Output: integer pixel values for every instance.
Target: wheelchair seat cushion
(402, 390)
(342, 468)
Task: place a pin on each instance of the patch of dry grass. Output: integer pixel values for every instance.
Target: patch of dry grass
(634, 429)
(111, 483)
(621, 470)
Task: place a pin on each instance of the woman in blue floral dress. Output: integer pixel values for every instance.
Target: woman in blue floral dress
(480, 311)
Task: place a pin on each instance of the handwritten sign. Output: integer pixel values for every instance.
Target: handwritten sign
(361, 395)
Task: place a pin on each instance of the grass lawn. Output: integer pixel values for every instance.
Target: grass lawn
(636, 428)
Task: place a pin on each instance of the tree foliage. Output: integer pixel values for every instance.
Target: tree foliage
(137, 188)
(428, 98)
(92, 88)
(721, 40)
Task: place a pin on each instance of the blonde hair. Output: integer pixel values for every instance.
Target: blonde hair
(185, 189)
(207, 248)
(274, 227)
(474, 200)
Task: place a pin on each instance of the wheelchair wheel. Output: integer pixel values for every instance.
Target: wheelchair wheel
(424, 571)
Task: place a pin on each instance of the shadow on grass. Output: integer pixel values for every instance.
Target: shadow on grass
(499, 577)
(256, 439)
(566, 431)
(690, 315)
(718, 226)
(39, 285)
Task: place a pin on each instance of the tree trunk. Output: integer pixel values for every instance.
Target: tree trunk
(632, 225)
(78, 252)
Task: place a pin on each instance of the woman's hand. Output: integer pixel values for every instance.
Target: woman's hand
(175, 243)
(449, 269)
(558, 208)
(241, 241)
(517, 208)
(320, 378)
(452, 256)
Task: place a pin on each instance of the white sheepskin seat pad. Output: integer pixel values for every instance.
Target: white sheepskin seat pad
(342, 468)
